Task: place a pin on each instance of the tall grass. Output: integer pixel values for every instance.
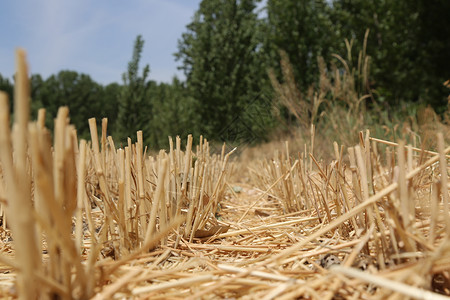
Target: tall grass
(342, 103)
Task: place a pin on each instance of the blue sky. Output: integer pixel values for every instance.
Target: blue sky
(93, 36)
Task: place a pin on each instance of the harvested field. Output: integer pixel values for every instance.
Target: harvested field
(86, 219)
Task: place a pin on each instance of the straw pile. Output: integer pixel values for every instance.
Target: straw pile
(85, 220)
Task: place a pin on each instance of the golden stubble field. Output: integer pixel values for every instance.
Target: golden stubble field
(85, 219)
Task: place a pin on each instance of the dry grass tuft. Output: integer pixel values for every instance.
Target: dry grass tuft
(79, 211)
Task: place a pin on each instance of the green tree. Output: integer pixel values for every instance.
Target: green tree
(110, 108)
(302, 29)
(174, 113)
(68, 88)
(36, 88)
(408, 44)
(133, 106)
(433, 39)
(221, 58)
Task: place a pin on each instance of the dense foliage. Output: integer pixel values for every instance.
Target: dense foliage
(230, 45)
(222, 63)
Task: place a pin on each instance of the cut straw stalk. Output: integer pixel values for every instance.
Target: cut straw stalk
(18, 180)
(214, 287)
(110, 206)
(148, 244)
(260, 274)
(157, 200)
(83, 202)
(109, 291)
(232, 248)
(252, 230)
(353, 212)
(268, 190)
(173, 284)
(412, 148)
(121, 203)
(140, 182)
(396, 286)
(444, 178)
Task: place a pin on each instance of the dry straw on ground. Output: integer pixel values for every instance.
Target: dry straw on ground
(87, 220)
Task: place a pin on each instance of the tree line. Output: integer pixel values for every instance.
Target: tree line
(227, 50)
